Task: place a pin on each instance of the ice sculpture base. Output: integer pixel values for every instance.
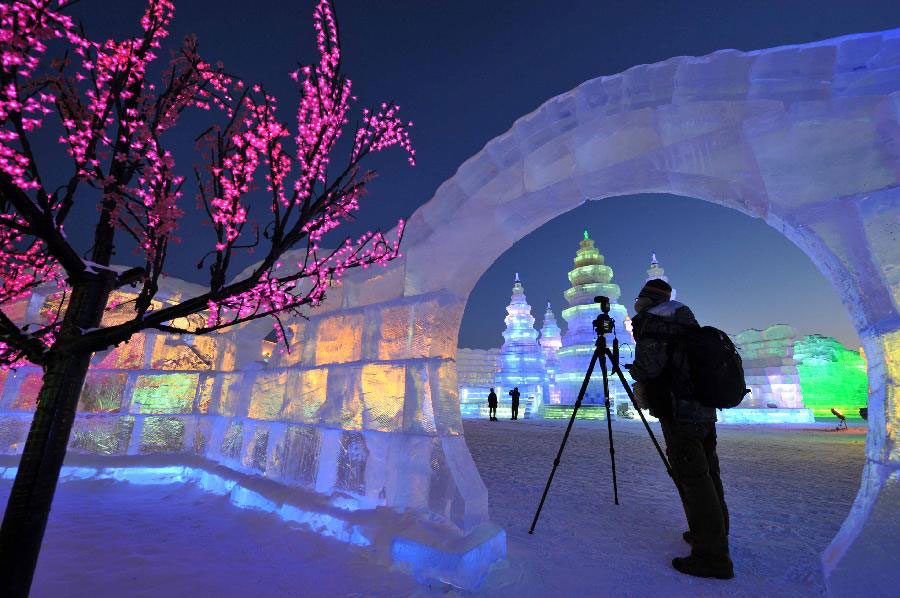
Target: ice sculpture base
(461, 562)
(766, 416)
(565, 412)
(428, 551)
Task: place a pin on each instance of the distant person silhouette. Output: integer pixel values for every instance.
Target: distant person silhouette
(492, 405)
(662, 375)
(514, 393)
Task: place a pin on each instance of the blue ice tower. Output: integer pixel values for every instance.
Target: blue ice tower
(521, 361)
(551, 341)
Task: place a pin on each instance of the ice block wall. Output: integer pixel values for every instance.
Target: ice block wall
(364, 405)
(831, 376)
(770, 371)
(476, 370)
(805, 137)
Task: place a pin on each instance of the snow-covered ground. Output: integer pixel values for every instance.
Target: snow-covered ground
(788, 491)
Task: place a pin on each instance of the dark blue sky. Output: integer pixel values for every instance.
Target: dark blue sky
(465, 70)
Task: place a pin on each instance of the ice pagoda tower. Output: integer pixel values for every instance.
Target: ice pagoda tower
(656, 272)
(590, 278)
(550, 342)
(521, 362)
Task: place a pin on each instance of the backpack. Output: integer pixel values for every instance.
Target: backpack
(716, 369)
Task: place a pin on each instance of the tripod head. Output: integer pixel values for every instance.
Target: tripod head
(603, 324)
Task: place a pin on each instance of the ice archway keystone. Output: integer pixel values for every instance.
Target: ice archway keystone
(364, 411)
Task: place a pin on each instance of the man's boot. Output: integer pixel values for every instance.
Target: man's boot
(708, 558)
(692, 565)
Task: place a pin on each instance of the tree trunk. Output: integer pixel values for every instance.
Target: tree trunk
(32, 492)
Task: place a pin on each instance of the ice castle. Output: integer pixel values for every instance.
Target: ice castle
(521, 360)
(590, 277)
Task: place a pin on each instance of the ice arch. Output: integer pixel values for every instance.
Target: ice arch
(806, 137)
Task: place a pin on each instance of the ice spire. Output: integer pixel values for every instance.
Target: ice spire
(521, 362)
(551, 339)
(656, 271)
(550, 342)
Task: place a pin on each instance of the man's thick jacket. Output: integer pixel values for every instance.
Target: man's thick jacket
(661, 363)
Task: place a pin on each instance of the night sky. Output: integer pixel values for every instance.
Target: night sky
(464, 70)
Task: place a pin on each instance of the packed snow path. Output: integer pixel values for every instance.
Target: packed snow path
(788, 491)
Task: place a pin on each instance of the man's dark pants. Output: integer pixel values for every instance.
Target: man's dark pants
(691, 448)
(515, 410)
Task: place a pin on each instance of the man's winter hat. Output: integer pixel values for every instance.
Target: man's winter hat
(657, 290)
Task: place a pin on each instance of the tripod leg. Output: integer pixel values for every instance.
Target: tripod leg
(630, 392)
(587, 378)
(612, 448)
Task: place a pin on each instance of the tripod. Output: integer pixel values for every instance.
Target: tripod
(603, 325)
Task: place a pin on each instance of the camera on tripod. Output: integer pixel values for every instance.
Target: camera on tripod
(603, 324)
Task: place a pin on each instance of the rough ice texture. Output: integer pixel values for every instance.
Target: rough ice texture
(769, 368)
(806, 137)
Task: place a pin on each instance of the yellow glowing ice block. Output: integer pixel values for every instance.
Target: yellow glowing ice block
(339, 339)
(396, 332)
(267, 395)
(383, 390)
(305, 394)
(165, 393)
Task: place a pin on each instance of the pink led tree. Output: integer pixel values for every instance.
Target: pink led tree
(113, 119)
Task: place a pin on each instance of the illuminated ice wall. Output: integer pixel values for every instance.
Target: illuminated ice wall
(770, 373)
(550, 342)
(521, 361)
(831, 376)
(591, 277)
(769, 368)
(364, 406)
(476, 371)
